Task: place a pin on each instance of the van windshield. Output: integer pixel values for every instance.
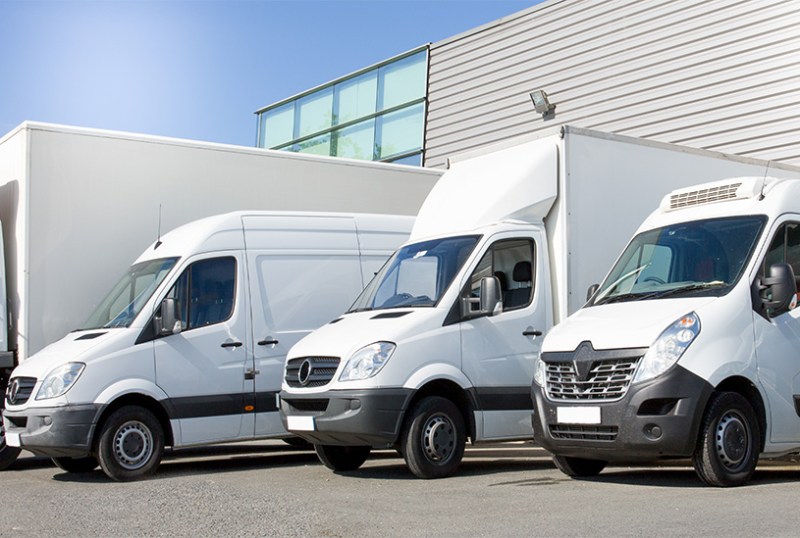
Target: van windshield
(704, 257)
(416, 275)
(129, 295)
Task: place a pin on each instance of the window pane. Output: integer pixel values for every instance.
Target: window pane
(314, 112)
(793, 248)
(320, 145)
(356, 142)
(211, 290)
(401, 131)
(404, 80)
(277, 126)
(411, 160)
(356, 97)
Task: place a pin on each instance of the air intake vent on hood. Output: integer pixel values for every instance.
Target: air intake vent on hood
(90, 336)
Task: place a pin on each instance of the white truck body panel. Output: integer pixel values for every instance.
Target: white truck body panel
(67, 193)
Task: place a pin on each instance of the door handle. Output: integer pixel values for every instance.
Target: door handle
(531, 332)
(267, 342)
(231, 344)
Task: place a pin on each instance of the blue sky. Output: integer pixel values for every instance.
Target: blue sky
(199, 69)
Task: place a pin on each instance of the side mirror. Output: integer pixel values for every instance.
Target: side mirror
(488, 304)
(167, 322)
(591, 291)
(778, 290)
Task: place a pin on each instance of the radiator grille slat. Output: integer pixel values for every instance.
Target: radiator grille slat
(19, 390)
(319, 371)
(607, 380)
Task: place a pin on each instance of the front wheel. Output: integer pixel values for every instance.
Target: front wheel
(579, 467)
(76, 465)
(131, 444)
(434, 437)
(728, 445)
(342, 458)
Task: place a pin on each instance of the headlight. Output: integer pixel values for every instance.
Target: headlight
(59, 380)
(539, 369)
(668, 347)
(367, 361)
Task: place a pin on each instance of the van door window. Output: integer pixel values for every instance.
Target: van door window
(205, 292)
(785, 248)
(511, 261)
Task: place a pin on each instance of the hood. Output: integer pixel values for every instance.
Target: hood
(72, 348)
(347, 334)
(620, 325)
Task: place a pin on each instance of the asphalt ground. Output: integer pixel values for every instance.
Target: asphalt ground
(271, 489)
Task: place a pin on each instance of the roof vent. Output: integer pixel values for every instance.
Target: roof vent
(710, 193)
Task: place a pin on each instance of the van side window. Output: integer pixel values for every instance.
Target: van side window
(205, 292)
(511, 261)
(785, 248)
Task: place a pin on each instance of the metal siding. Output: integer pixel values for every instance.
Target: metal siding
(712, 74)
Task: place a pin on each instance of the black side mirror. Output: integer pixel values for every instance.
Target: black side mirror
(778, 289)
(167, 322)
(489, 303)
(591, 291)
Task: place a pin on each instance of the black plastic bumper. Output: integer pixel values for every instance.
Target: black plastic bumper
(54, 431)
(659, 418)
(350, 418)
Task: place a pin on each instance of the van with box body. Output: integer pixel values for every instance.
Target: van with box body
(691, 346)
(188, 348)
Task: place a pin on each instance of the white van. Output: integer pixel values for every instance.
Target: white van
(188, 348)
(691, 346)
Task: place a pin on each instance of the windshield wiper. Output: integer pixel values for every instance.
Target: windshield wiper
(690, 287)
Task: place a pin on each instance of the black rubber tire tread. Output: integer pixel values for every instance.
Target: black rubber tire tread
(342, 458)
(579, 467)
(105, 447)
(8, 454)
(76, 465)
(707, 462)
(411, 439)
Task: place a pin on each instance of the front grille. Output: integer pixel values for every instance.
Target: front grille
(607, 380)
(19, 390)
(310, 372)
(707, 195)
(584, 433)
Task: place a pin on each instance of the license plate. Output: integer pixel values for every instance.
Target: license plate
(12, 439)
(300, 424)
(578, 415)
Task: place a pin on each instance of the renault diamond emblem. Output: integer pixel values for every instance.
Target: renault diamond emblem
(583, 360)
(13, 390)
(304, 374)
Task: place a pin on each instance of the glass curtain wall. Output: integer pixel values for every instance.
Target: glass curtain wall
(375, 114)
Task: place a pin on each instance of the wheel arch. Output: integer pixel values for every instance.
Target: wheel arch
(140, 400)
(451, 390)
(746, 388)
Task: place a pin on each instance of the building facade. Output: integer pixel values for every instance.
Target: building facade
(721, 75)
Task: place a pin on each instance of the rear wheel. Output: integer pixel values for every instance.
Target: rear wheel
(579, 467)
(728, 446)
(342, 458)
(131, 444)
(76, 465)
(434, 437)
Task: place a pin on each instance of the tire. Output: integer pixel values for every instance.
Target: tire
(579, 467)
(76, 465)
(131, 444)
(8, 454)
(433, 438)
(342, 458)
(729, 442)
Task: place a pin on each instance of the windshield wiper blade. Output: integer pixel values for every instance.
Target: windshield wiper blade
(623, 297)
(690, 287)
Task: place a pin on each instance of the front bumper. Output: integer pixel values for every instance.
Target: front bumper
(346, 417)
(659, 418)
(53, 431)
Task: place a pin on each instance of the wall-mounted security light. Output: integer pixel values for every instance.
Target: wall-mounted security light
(541, 104)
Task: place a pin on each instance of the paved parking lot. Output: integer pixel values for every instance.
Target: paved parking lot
(270, 489)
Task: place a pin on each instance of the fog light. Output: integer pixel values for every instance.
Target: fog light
(653, 432)
(47, 421)
(355, 405)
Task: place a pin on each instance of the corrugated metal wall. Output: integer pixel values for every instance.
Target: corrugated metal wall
(722, 75)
